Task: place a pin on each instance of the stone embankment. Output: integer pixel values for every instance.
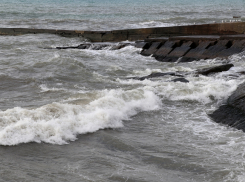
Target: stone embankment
(171, 44)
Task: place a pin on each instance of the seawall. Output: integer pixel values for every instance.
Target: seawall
(138, 34)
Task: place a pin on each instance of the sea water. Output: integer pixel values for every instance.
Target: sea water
(75, 115)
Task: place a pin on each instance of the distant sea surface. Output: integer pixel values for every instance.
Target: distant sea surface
(115, 14)
(75, 115)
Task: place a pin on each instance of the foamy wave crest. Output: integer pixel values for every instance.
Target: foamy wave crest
(58, 123)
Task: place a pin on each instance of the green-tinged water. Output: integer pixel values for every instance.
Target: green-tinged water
(74, 115)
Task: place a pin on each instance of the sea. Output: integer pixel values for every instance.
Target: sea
(78, 116)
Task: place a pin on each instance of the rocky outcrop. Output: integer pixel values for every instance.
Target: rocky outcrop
(203, 71)
(214, 69)
(233, 112)
(99, 46)
(158, 74)
(183, 80)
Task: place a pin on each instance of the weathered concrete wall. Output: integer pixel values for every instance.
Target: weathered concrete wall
(138, 34)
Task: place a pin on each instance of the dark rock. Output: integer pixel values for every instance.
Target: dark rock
(81, 46)
(237, 99)
(69, 47)
(180, 80)
(84, 46)
(215, 69)
(233, 112)
(230, 116)
(99, 46)
(153, 75)
(120, 46)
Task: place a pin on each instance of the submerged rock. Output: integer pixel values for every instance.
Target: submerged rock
(99, 46)
(233, 112)
(180, 80)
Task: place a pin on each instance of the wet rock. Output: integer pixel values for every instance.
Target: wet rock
(180, 80)
(233, 112)
(98, 46)
(120, 46)
(69, 47)
(158, 74)
(81, 46)
(215, 69)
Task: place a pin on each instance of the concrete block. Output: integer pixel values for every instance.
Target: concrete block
(182, 50)
(151, 50)
(196, 53)
(178, 52)
(165, 49)
(214, 51)
(237, 46)
(142, 44)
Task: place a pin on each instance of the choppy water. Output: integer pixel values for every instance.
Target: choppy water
(73, 115)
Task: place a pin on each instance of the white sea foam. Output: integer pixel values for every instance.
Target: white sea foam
(58, 123)
(202, 89)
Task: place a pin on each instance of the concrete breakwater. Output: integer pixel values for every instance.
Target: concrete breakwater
(167, 44)
(137, 34)
(190, 48)
(171, 44)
